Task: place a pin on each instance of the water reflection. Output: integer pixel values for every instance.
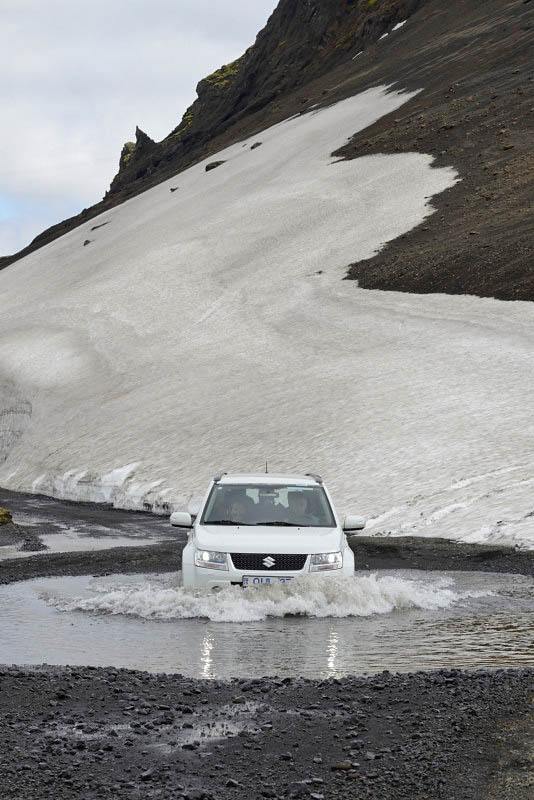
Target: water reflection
(205, 657)
(331, 652)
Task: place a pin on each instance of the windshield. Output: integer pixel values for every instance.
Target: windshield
(292, 506)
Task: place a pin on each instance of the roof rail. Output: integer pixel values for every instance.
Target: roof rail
(315, 477)
(219, 477)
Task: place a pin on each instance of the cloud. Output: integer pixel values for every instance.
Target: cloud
(77, 78)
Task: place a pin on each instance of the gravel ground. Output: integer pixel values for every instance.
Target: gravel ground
(93, 733)
(162, 557)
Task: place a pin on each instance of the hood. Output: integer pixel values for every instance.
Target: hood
(265, 538)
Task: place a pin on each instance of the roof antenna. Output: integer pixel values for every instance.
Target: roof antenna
(266, 470)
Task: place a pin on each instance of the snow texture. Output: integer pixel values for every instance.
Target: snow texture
(209, 328)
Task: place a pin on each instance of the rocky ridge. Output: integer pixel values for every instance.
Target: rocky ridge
(302, 40)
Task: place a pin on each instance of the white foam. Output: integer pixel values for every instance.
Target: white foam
(310, 595)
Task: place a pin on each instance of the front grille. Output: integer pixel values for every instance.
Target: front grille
(290, 562)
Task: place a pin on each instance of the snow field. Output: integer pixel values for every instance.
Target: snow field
(209, 329)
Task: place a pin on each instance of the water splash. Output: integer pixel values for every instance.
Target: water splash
(310, 595)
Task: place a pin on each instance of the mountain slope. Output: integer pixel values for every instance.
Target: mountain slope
(473, 61)
(302, 40)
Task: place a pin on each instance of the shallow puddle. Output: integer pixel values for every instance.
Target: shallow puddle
(395, 620)
(75, 542)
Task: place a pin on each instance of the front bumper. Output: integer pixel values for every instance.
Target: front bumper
(202, 578)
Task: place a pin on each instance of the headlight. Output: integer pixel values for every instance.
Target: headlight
(211, 559)
(322, 561)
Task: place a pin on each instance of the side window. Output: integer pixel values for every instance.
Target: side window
(217, 504)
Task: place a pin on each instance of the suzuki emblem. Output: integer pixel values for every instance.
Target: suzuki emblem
(268, 562)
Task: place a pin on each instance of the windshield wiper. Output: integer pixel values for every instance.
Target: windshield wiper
(224, 522)
(281, 524)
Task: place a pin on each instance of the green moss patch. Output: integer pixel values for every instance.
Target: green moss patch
(224, 75)
(5, 516)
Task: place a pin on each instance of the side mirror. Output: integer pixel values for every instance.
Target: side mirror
(194, 507)
(179, 519)
(354, 523)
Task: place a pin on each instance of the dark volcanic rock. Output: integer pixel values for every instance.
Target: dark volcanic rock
(447, 734)
(136, 155)
(213, 165)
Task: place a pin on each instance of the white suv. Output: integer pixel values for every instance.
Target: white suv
(264, 529)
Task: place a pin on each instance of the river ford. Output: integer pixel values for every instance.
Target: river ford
(404, 734)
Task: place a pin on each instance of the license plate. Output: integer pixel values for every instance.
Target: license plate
(257, 580)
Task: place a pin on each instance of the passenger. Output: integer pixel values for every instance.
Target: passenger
(298, 509)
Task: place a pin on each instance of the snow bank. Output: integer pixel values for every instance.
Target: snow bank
(208, 328)
(311, 595)
(464, 509)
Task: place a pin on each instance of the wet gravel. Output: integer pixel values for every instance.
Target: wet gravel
(419, 552)
(26, 539)
(37, 516)
(161, 557)
(93, 733)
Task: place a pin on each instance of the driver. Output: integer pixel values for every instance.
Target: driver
(239, 508)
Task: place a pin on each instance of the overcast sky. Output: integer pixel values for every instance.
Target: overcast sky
(77, 76)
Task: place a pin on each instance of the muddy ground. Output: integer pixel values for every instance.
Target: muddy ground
(86, 732)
